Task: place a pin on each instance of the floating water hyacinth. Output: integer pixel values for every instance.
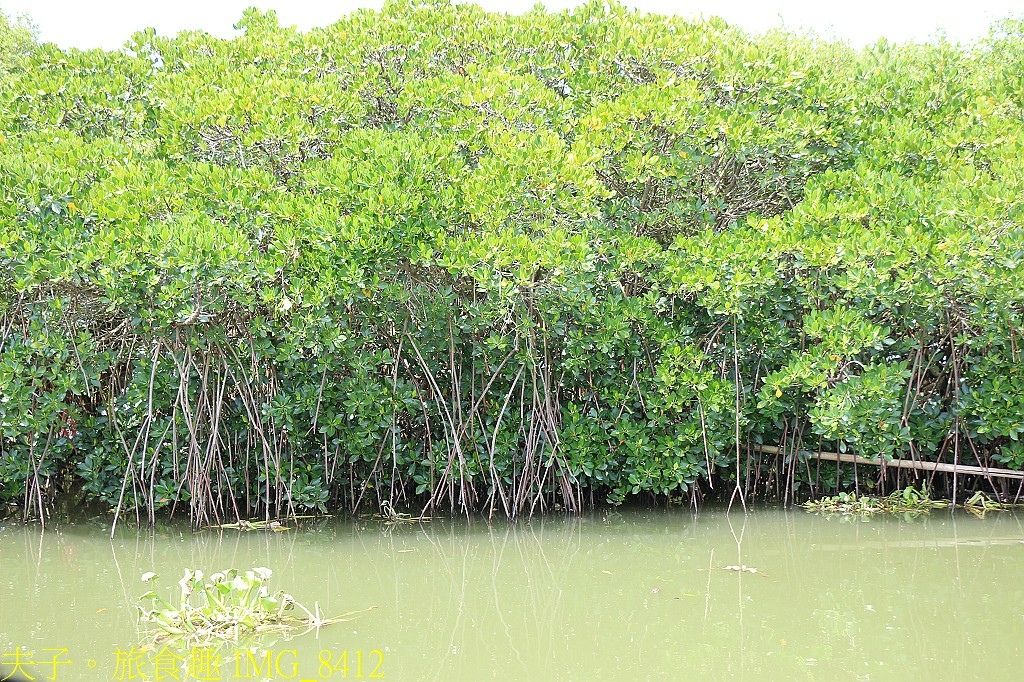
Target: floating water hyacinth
(905, 501)
(225, 606)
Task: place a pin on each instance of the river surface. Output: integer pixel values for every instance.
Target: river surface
(619, 595)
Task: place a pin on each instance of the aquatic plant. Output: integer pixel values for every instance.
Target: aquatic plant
(908, 500)
(980, 504)
(277, 525)
(224, 606)
(391, 517)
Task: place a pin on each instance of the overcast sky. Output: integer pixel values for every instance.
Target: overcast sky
(109, 23)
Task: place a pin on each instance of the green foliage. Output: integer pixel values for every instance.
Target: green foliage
(229, 605)
(499, 262)
(909, 501)
(17, 40)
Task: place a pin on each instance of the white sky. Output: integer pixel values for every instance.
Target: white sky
(109, 23)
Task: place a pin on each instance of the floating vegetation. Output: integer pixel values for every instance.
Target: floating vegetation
(390, 517)
(270, 524)
(980, 504)
(226, 606)
(908, 500)
(743, 568)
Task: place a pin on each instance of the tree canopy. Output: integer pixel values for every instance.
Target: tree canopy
(501, 262)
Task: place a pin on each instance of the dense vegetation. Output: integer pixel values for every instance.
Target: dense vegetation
(435, 255)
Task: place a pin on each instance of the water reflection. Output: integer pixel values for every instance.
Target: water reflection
(613, 596)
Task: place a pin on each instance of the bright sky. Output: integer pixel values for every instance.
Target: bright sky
(109, 23)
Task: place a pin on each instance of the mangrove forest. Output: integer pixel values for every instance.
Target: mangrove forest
(443, 260)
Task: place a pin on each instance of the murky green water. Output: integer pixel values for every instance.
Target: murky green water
(618, 596)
